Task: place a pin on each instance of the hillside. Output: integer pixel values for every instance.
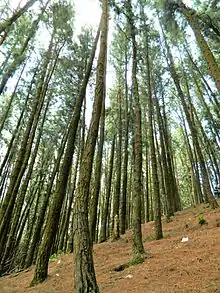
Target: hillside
(193, 266)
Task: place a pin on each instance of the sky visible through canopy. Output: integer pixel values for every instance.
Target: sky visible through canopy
(87, 13)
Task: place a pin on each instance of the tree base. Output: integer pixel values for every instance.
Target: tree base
(39, 278)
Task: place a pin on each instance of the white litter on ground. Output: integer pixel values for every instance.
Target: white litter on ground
(185, 239)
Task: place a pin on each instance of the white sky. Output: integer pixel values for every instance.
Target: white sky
(87, 11)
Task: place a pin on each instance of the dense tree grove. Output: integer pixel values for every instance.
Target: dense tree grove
(151, 147)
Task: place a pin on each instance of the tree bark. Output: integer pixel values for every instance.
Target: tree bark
(138, 248)
(41, 270)
(103, 229)
(213, 67)
(85, 280)
(206, 184)
(97, 175)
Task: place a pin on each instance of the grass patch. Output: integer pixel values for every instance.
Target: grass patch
(201, 220)
(136, 260)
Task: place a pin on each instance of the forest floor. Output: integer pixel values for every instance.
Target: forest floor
(173, 266)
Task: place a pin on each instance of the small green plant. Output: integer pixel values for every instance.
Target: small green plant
(53, 257)
(201, 220)
(137, 259)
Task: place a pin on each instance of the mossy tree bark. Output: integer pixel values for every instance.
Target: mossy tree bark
(85, 280)
(213, 67)
(116, 200)
(138, 248)
(204, 173)
(126, 152)
(155, 178)
(103, 229)
(41, 269)
(98, 173)
(167, 178)
(24, 151)
(12, 145)
(11, 238)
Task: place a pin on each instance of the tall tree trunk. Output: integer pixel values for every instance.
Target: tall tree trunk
(44, 203)
(85, 280)
(67, 211)
(16, 132)
(191, 17)
(138, 248)
(125, 158)
(25, 150)
(20, 200)
(206, 184)
(116, 200)
(211, 95)
(103, 230)
(24, 246)
(22, 54)
(98, 174)
(167, 178)
(8, 107)
(41, 270)
(155, 179)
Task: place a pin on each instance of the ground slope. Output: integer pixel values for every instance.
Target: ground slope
(193, 266)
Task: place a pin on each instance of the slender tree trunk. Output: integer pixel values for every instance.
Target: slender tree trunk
(16, 132)
(44, 203)
(98, 174)
(85, 280)
(56, 205)
(167, 178)
(209, 115)
(206, 184)
(147, 213)
(20, 200)
(5, 25)
(125, 158)
(30, 226)
(68, 212)
(211, 95)
(103, 230)
(138, 248)
(22, 54)
(155, 179)
(8, 108)
(191, 17)
(116, 201)
(24, 152)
